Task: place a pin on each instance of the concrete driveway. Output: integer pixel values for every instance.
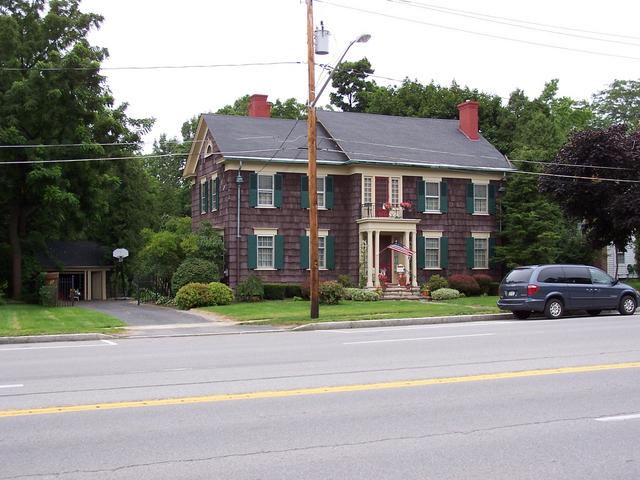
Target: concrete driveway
(153, 321)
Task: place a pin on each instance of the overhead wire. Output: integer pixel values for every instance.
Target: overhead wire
(483, 34)
(528, 22)
(511, 22)
(154, 67)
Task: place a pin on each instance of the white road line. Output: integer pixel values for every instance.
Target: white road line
(50, 347)
(421, 338)
(109, 342)
(618, 418)
(17, 385)
(415, 327)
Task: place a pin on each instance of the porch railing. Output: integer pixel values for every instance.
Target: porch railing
(371, 210)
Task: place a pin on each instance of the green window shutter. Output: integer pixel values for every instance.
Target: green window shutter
(328, 192)
(278, 261)
(444, 198)
(470, 259)
(252, 252)
(420, 251)
(420, 204)
(217, 205)
(206, 196)
(304, 252)
(304, 191)
(470, 208)
(444, 252)
(277, 190)
(253, 190)
(492, 252)
(492, 199)
(200, 195)
(330, 251)
(211, 192)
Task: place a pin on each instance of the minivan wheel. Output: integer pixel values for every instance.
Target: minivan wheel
(627, 305)
(521, 315)
(594, 313)
(554, 308)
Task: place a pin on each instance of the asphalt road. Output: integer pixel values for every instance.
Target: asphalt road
(495, 400)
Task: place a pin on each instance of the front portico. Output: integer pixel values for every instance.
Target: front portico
(378, 234)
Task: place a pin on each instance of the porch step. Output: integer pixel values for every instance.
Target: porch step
(397, 292)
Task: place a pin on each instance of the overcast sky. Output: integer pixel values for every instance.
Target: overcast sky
(441, 48)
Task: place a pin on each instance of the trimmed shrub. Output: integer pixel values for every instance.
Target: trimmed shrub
(305, 289)
(275, 291)
(193, 295)
(194, 270)
(465, 284)
(445, 294)
(484, 282)
(251, 290)
(360, 295)
(48, 296)
(330, 293)
(436, 282)
(345, 281)
(221, 294)
(292, 290)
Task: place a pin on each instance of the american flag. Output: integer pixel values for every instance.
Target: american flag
(398, 247)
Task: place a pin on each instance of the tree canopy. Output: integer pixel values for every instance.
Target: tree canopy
(52, 93)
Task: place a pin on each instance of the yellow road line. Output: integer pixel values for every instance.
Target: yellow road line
(316, 391)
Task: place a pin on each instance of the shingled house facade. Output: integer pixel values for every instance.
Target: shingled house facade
(427, 184)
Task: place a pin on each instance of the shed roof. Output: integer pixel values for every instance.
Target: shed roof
(67, 254)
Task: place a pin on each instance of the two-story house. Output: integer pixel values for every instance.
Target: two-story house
(428, 184)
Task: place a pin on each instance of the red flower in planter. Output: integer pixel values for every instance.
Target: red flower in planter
(406, 205)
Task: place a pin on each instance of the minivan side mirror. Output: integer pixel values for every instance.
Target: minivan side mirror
(615, 282)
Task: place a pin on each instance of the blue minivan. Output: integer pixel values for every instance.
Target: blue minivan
(556, 289)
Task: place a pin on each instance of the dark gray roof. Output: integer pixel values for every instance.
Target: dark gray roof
(356, 137)
(257, 137)
(73, 254)
(423, 141)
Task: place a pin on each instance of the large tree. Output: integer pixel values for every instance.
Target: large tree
(51, 93)
(608, 209)
(619, 103)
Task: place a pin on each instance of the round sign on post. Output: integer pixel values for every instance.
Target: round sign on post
(120, 253)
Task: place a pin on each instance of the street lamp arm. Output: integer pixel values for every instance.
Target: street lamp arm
(361, 39)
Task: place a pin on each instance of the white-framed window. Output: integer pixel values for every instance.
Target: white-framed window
(431, 252)
(265, 256)
(620, 257)
(481, 253)
(480, 198)
(367, 190)
(265, 190)
(322, 253)
(432, 196)
(394, 191)
(322, 248)
(320, 191)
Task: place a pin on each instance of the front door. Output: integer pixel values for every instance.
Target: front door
(386, 259)
(382, 194)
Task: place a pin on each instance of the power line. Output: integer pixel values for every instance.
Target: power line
(482, 34)
(504, 21)
(607, 34)
(152, 67)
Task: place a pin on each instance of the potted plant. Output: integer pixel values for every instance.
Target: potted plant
(406, 205)
(382, 276)
(424, 291)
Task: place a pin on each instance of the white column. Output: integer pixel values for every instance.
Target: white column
(407, 260)
(376, 258)
(369, 259)
(414, 260)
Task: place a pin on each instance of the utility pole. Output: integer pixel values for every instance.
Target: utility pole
(314, 278)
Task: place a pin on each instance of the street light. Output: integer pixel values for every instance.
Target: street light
(314, 279)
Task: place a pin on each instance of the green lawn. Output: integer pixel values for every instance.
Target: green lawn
(635, 283)
(20, 319)
(289, 312)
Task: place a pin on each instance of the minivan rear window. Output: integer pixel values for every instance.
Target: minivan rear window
(520, 275)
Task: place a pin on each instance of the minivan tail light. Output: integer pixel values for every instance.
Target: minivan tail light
(532, 290)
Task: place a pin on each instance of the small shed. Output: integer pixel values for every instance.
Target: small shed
(81, 265)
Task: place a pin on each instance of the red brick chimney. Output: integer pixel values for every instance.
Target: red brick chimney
(468, 112)
(259, 107)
